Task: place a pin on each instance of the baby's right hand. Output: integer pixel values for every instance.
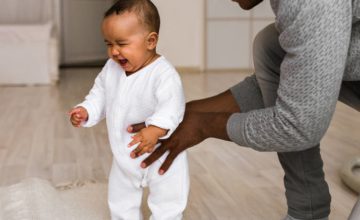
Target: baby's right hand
(77, 116)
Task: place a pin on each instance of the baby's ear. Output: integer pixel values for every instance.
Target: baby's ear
(152, 40)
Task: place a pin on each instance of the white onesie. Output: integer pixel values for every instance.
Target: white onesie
(153, 94)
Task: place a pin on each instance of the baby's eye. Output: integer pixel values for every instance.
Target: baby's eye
(121, 43)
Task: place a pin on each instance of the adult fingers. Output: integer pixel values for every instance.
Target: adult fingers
(136, 127)
(145, 149)
(153, 156)
(168, 161)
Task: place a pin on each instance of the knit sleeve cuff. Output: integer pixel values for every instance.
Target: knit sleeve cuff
(235, 128)
(247, 94)
(161, 123)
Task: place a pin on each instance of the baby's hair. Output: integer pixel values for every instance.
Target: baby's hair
(146, 10)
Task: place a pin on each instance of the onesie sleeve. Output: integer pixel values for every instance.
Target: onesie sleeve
(170, 103)
(94, 102)
(315, 36)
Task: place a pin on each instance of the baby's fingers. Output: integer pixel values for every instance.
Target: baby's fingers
(80, 117)
(136, 139)
(73, 111)
(76, 116)
(137, 150)
(141, 149)
(75, 123)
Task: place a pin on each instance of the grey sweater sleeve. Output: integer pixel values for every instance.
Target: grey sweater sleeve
(315, 36)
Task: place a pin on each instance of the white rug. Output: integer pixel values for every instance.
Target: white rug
(36, 199)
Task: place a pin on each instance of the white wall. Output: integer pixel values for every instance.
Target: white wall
(82, 40)
(182, 32)
(192, 35)
(231, 31)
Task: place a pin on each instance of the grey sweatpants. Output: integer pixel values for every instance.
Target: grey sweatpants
(307, 192)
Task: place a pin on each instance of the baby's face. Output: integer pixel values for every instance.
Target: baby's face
(127, 41)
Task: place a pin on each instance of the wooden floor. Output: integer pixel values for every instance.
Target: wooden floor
(227, 181)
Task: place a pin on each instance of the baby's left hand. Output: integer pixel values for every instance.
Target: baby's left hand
(148, 138)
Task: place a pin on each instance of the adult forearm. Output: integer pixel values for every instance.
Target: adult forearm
(214, 124)
(223, 102)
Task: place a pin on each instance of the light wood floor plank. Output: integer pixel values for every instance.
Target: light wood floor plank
(227, 181)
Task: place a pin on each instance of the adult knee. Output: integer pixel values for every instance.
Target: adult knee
(267, 52)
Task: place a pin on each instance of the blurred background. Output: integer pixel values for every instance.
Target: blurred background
(50, 53)
(195, 35)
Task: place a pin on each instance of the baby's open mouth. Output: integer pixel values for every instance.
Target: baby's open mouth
(123, 61)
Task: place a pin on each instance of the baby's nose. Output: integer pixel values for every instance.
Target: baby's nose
(115, 52)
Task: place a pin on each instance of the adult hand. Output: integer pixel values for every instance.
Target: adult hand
(188, 133)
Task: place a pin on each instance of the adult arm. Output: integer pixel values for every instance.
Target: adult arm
(315, 36)
(223, 102)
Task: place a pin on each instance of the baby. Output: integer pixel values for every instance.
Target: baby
(135, 85)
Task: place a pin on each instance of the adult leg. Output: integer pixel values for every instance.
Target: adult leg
(350, 90)
(124, 196)
(350, 94)
(169, 192)
(307, 192)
